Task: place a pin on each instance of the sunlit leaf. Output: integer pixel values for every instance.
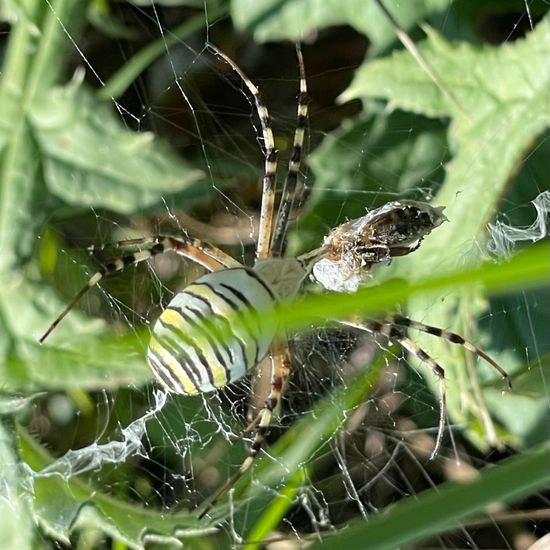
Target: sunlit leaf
(61, 506)
(91, 159)
(500, 104)
(277, 19)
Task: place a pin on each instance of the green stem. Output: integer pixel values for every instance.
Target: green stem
(25, 77)
(275, 511)
(46, 65)
(124, 77)
(22, 40)
(16, 67)
(529, 268)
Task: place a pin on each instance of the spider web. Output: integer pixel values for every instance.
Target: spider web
(164, 453)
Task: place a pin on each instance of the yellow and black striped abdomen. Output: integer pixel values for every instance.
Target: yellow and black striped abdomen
(185, 353)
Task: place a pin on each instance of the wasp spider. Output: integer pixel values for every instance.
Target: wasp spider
(184, 354)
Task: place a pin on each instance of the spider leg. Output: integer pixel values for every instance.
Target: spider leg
(399, 320)
(390, 329)
(289, 188)
(203, 253)
(394, 334)
(197, 250)
(281, 367)
(260, 383)
(438, 370)
(260, 388)
(270, 153)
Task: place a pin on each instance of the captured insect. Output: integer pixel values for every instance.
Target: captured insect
(188, 358)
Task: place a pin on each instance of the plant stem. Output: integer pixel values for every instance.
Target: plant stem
(33, 64)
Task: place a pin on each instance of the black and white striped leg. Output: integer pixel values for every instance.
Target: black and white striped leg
(438, 370)
(197, 250)
(281, 366)
(284, 211)
(399, 320)
(291, 181)
(394, 334)
(203, 253)
(392, 329)
(270, 154)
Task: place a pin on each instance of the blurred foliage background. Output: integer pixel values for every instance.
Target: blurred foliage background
(116, 121)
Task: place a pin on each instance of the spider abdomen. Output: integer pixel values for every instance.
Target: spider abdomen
(212, 332)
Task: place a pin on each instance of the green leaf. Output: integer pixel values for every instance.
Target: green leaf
(62, 505)
(81, 360)
(14, 404)
(447, 506)
(20, 193)
(503, 105)
(106, 363)
(30, 66)
(500, 104)
(15, 517)
(282, 19)
(528, 269)
(90, 159)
